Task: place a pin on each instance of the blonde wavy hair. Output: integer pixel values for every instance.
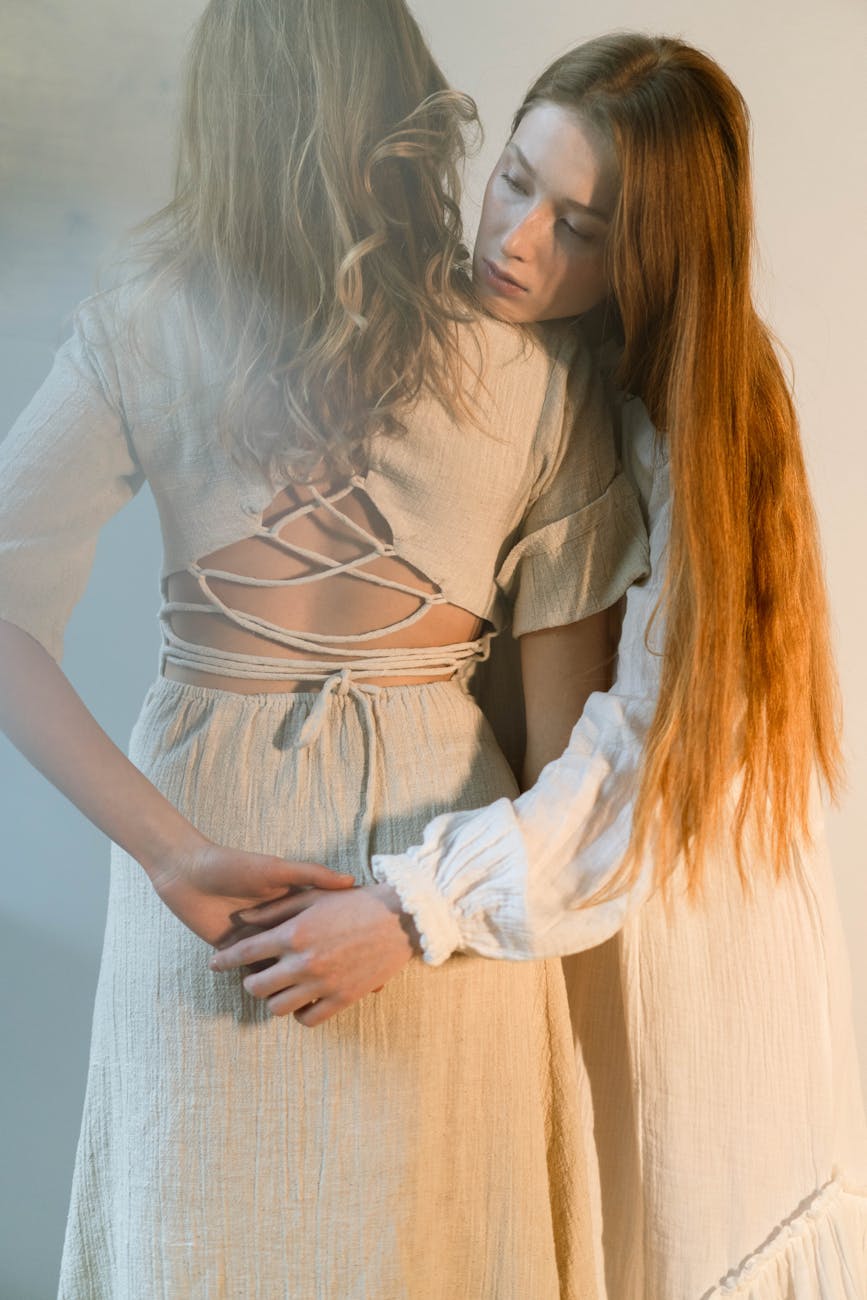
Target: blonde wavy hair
(748, 685)
(316, 220)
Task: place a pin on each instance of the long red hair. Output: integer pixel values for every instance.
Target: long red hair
(748, 686)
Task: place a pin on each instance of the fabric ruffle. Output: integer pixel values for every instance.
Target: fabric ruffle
(818, 1254)
(573, 567)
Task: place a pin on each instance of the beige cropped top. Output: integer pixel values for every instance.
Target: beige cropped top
(524, 519)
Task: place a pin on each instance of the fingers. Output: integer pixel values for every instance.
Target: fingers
(255, 966)
(289, 988)
(274, 979)
(247, 952)
(279, 909)
(277, 985)
(288, 874)
(236, 930)
(291, 1000)
(318, 1012)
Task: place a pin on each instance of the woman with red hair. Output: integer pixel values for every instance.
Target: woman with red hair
(675, 848)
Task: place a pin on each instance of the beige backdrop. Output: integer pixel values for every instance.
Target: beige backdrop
(87, 93)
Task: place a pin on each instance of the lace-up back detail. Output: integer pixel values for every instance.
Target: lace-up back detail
(377, 620)
(454, 532)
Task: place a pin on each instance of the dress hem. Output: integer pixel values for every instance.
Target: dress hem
(820, 1253)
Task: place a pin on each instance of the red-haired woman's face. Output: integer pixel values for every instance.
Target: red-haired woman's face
(540, 249)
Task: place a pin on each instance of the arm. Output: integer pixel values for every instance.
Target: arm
(203, 883)
(338, 949)
(560, 668)
(46, 720)
(508, 880)
(66, 467)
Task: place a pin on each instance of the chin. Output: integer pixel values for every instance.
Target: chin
(502, 310)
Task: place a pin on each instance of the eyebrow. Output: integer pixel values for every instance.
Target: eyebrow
(571, 203)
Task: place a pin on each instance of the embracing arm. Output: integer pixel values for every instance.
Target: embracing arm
(510, 880)
(337, 949)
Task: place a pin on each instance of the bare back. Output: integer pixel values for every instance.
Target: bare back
(321, 568)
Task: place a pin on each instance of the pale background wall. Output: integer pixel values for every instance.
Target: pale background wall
(87, 94)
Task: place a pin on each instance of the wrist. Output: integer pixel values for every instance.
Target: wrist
(391, 898)
(168, 846)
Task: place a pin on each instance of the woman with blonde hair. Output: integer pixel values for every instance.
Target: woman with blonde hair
(675, 847)
(359, 480)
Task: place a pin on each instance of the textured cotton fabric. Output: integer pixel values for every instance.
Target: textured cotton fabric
(429, 1143)
(717, 1041)
(424, 1144)
(520, 515)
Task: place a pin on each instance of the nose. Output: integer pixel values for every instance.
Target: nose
(519, 242)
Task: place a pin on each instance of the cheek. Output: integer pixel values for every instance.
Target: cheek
(583, 286)
(489, 217)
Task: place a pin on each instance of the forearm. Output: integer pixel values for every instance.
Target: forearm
(514, 879)
(510, 880)
(47, 721)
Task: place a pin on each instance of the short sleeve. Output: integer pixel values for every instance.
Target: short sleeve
(582, 541)
(66, 466)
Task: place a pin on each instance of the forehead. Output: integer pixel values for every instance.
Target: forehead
(570, 158)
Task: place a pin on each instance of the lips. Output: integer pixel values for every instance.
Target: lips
(499, 280)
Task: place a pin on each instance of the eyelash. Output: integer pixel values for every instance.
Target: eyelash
(518, 188)
(513, 184)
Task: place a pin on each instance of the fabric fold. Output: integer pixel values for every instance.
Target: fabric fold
(576, 566)
(820, 1253)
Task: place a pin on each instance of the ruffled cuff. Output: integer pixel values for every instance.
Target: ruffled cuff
(509, 880)
(460, 859)
(820, 1253)
(431, 913)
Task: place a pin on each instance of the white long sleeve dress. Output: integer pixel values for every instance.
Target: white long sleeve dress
(728, 1142)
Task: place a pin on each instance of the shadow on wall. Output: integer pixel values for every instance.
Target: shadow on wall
(46, 1061)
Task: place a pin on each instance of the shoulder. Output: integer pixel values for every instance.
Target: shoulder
(523, 374)
(543, 347)
(641, 448)
(539, 345)
(104, 320)
(139, 310)
(144, 342)
(576, 424)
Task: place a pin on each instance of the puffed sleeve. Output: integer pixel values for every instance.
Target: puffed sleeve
(66, 466)
(583, 540)
(510, 880)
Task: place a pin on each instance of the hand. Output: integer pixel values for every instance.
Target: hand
(207, 885)
(331, 951)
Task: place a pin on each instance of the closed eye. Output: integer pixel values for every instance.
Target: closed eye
(583, 235)
(513, 183)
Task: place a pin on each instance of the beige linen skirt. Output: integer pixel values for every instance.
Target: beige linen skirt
(426, 1144)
